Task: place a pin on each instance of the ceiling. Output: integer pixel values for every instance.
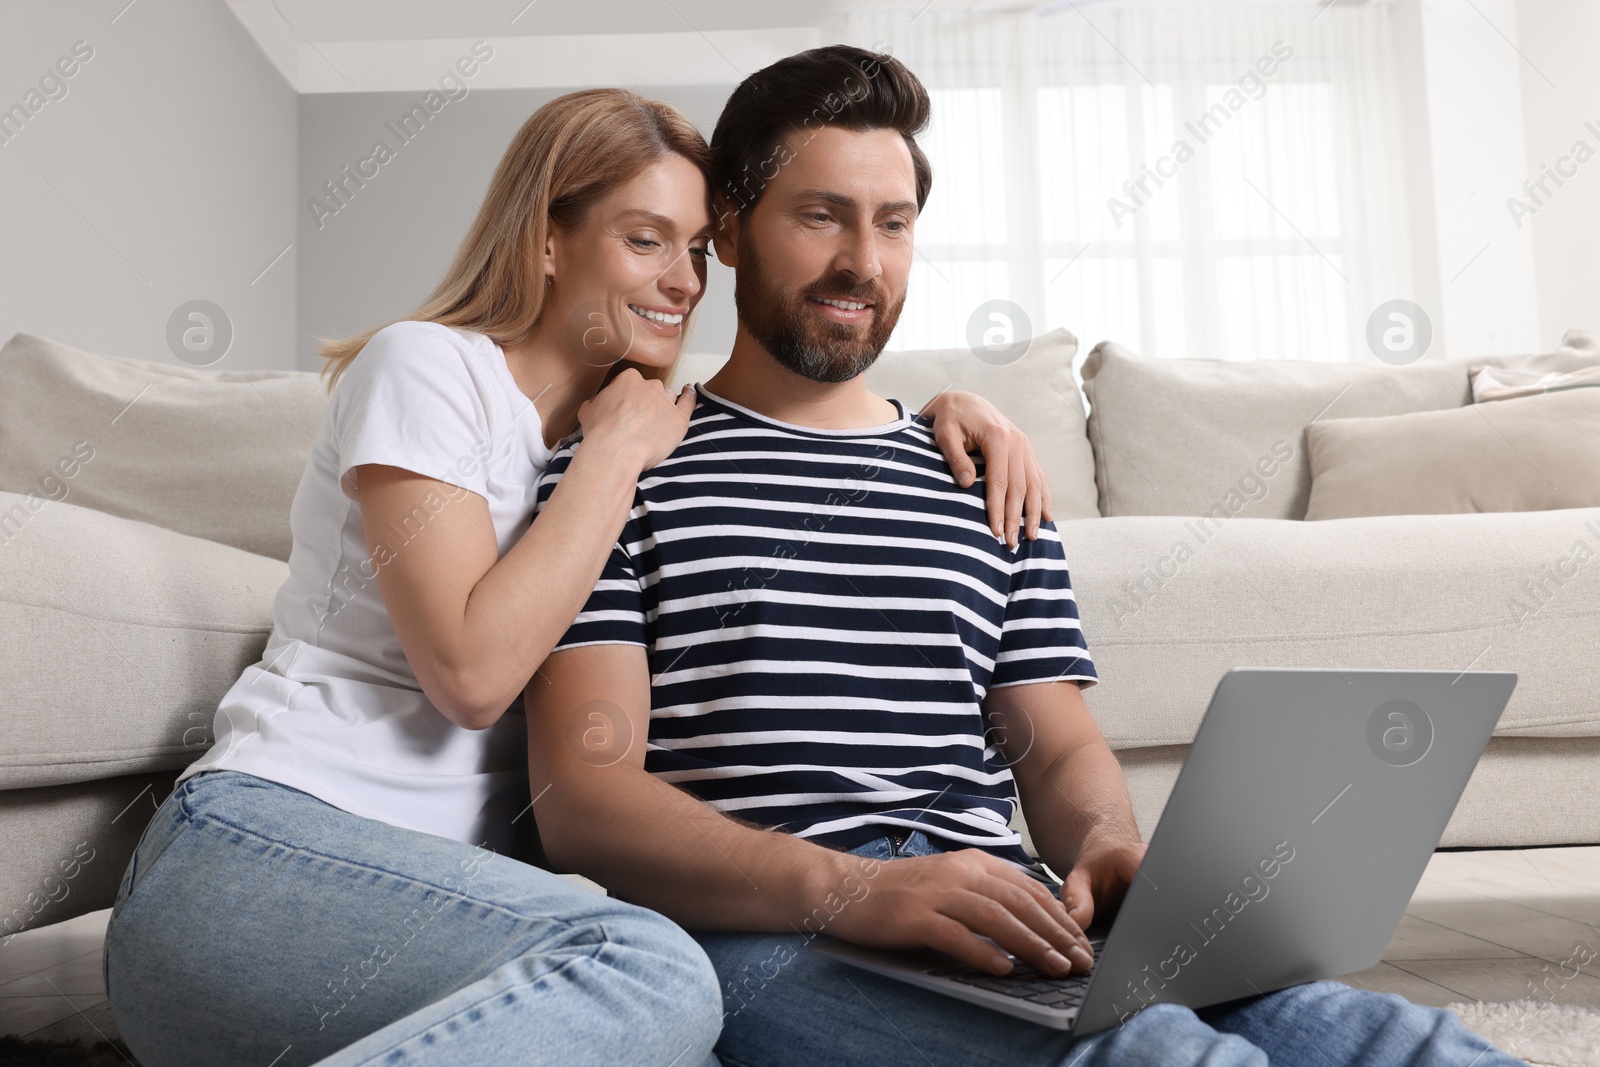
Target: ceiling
(365, 20)
(397, 45)
(345, 46)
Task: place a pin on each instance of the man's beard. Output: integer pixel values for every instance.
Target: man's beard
(802, 340)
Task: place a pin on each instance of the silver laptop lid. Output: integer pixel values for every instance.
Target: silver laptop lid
(1299, 827)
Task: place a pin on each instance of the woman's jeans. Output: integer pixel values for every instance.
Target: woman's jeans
(257, 925)
(788, 1006)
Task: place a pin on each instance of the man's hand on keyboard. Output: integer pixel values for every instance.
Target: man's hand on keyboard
(1100, 880)
(952, 900)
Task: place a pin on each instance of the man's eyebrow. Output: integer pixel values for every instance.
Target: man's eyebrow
(812, 196)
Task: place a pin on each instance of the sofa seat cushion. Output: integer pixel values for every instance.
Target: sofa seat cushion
(1170, 604)
(120, 639)
(216, 454)
(1038, 392)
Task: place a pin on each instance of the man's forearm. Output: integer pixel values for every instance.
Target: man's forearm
(1080, 802)
(660, 847)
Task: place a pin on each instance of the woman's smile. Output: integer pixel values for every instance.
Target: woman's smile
(666, 321)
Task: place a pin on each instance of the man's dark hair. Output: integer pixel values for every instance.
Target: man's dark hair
(838, 84)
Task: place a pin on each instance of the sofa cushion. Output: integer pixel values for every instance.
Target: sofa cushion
(1038, 392)
(120, 639)
(1524, 791)
(1528, 453)
(1504, 383)
(216, 454)
(1169, 604)
(1198, 437)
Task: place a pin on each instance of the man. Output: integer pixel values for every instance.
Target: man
(811, 684)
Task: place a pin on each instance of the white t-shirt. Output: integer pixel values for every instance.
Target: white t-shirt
(333, 708)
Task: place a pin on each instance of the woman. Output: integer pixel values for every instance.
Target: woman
(330, 882)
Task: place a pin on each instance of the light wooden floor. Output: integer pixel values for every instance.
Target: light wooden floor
(1506, 924)
(1490, 925)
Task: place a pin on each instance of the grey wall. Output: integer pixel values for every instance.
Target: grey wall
(166, 173)
(381, 254)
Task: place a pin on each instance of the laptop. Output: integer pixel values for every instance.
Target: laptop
(1298, 830)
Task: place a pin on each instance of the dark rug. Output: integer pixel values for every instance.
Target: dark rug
(23, 1052)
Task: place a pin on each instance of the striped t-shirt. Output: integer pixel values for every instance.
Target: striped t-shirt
(823, 612)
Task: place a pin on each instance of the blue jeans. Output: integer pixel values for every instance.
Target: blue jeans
(786, 1005)
(259, 925)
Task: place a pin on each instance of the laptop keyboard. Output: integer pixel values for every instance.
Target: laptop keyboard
(1024, 983)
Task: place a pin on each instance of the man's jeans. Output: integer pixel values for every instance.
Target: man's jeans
(259, 925)
(787, 1005)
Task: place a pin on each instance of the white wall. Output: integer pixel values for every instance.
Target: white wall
(1488, 301)
(1560, 39)
(1497, 91)
(166, 173)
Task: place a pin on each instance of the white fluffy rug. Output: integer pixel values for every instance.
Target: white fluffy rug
(1544, 1034)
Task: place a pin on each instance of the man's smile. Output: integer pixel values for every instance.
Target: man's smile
(836, 309)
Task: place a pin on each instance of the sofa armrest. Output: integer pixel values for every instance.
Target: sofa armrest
(121, 638)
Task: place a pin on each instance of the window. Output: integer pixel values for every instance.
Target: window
(1202, 194)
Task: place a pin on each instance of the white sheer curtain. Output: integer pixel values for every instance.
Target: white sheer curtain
(1189, 179)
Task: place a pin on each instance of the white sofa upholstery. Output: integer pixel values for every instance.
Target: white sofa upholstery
(121, 635)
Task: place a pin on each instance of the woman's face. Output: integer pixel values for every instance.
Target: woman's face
(624, 281)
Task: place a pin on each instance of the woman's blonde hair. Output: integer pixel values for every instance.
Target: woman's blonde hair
(570, 153)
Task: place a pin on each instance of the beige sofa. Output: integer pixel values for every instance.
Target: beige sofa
(144, 528)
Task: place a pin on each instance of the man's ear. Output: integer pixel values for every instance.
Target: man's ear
(725, 234)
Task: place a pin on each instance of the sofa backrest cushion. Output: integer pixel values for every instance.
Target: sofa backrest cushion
(214, 454)
(1227, 438)
(1527, 453)
(1037, 392)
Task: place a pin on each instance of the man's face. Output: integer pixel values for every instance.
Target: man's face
(823, 257)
